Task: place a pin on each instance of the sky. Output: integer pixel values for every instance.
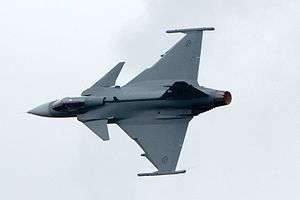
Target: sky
(247, 150)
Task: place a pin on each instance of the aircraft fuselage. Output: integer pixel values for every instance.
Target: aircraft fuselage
(114, 107)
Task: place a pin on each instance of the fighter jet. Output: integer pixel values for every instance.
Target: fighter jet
(154, 108)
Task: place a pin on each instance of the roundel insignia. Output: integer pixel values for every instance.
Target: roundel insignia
(188, 43)
(164, 159)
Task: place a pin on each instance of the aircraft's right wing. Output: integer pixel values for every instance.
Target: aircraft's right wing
(180, 63)
(161, 138)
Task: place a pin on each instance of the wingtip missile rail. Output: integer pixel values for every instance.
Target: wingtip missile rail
(188, 30)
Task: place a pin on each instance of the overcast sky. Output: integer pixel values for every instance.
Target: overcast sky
(248, 150)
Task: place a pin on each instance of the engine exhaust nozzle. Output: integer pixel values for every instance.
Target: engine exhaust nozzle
(223, 98)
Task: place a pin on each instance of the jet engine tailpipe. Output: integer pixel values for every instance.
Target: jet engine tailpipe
(222, 98)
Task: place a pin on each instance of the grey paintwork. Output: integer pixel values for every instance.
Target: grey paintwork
(154, 108)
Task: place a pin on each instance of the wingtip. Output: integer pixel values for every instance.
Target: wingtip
(162, 173)
(188, 30)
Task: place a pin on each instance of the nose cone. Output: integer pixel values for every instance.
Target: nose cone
(42, 110)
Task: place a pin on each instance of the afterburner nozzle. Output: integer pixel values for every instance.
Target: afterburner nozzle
(222, 98)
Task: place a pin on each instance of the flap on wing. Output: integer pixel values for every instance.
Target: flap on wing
(161, 140)
(99, 127)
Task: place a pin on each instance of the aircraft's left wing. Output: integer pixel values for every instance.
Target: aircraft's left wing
(160, 138)
(180, 63)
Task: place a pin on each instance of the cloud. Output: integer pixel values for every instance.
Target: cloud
(247, 150)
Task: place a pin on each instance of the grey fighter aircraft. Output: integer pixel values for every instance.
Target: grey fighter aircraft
(153, 109)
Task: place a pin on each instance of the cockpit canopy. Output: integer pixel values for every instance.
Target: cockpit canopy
(69, 104)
